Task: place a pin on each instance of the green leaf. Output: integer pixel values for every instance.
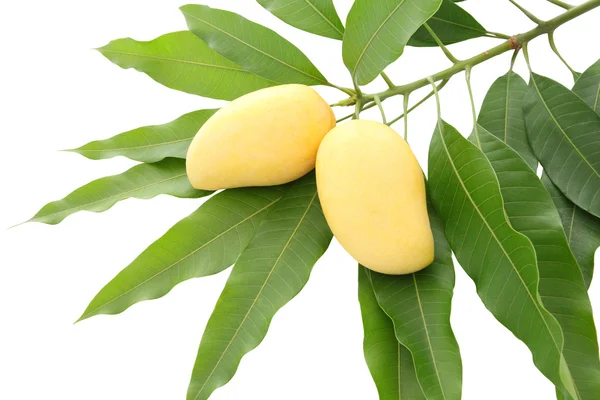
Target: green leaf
(588, 86)
(451, 23)
(314, 16)
(252, 46)
(150, 143)
(501, 261)
(419, 306)
(564, 133)
(390, 363)
(143, 181)
(582, 230)
(378, 30)
(531, 211)
(183, 62)
(204, 243)
(502, 115)
(270, 272)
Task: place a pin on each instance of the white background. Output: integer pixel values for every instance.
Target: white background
(57, 93)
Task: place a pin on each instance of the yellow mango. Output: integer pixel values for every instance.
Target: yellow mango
(268, 137)
(372, 192)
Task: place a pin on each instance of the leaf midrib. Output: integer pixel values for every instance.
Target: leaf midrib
(506, 110)
(459, 25)
(135, 147)
(283, 250)
(324, 17)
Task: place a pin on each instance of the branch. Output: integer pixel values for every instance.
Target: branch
(526, 12)
(561, 4)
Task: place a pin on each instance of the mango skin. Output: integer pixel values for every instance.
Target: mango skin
(268, 137)
(372, 192)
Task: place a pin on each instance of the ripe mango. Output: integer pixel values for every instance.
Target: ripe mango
(372, 192)
(268, 137)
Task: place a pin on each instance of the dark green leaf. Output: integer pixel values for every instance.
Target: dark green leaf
(390, 363)
(378, 30)
(588, 86)
(502, 115)
(204, 243)
(531, 211)
(314, 16)
(270, 272)
(582, 230)
(150, 143)
(252, 46)
(564, 133)
(451, 23)
(143, 181)
(419, 306)
(183, 62)
(501, 261)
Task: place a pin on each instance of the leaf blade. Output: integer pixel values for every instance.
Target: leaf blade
(183, 62)
(281, 256)
(252, 46)
(588, 86)
(143, 181)
(314, 16)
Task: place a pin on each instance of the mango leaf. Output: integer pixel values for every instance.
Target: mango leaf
(378, 30)
(314, 16)
(501, 261)
(204, 243)
(564, 133)
(451, 23)
(143, 181)
(588, 86)
(183, 62)
(582, 230)
(150, 143)
(502, 115)
(531, 211)
(252, 46)
(390, 363)
(419, 306)
(270, 272)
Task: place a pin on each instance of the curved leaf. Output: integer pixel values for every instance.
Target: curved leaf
(204, 243)
(270, 272)
(564, 133)
(390, 363)
(419, 306)
(501, 261)
(143, 181)
(582, 230)
(588, 86)
(451, 23)
(531, 211)
(314, 16)
(150, 143)
(252, 46)
(378, 30)
(183, 62)
(502, 115)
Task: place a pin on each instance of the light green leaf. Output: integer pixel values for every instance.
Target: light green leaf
(390, 363)
(183, 62)
(252, 46)
(502, 115)
(419, 306)
(531, 211)
(451, 23)
(582, 230)
(150, 143)
(564, 133)
(588, 86)
(143, 181)
(270, 272)
(314, 16)
(378, 30)
(501, 261)
(204, 243)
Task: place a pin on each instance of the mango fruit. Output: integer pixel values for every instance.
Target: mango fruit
(372, 192)
(268, 137)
